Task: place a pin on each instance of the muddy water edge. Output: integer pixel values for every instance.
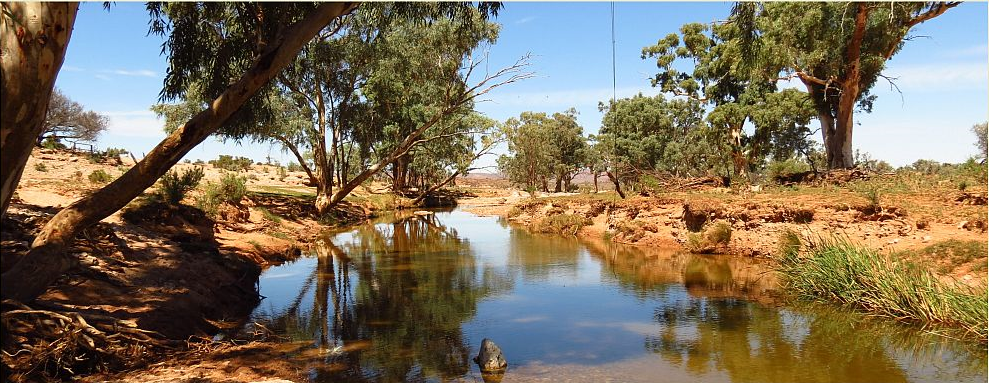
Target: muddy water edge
(409, 298)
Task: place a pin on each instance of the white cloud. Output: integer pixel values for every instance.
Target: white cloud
(102, 77)
(135, 123)
(139, 72)
(940, 77)
(981, 51)
(525, 20)
(70, 68)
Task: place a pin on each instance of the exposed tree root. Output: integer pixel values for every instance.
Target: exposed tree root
(43, 345)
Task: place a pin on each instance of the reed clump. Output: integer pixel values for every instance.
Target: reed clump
(836, 270)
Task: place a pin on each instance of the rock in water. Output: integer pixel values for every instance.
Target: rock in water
(489, 358)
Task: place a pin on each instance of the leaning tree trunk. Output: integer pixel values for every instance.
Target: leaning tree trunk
(47, 260)
(618, 186)
(33, 48)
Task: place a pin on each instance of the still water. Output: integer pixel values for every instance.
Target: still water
(409, 299)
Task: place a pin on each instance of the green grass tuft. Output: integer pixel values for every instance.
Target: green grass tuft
(714, 236)
(884, 285)
(563, 224)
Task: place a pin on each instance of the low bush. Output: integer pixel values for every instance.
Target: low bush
(716, 235)
(232, 163)
(231, 189)
(173, 187)
(40, 166)
(563, 224)
(99, 176)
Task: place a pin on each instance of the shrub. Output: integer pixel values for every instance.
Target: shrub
(41, 167)
(790, 166)
(99, 176)
(77, 176)
(173, 187)
(294, 167)
(836, 270)
(715, 235)
(282, 173)
(232, 163)
(231, 189)
(52, 143)
(563, 224)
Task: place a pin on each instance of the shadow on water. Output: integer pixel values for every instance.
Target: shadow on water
(406, 298)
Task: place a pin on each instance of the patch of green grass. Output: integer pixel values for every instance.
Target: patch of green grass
(884, 285)
(268, 215)
(789, 243)
(257, 246)
(715, 235)
(278, 234)
(40, 166)
(948, 254)
(563, 224)
(285, 191)
(231, 189)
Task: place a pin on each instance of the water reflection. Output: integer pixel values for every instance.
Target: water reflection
(406, 299)
(388, 303)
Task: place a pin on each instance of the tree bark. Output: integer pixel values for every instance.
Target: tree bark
(298, 155)
(33, 42)
(47, 259)
(839, 146)
(618, 186)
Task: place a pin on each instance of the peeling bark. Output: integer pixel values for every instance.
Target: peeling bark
(33, 41)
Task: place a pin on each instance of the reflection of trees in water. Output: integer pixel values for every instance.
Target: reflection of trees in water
(752, 343)
(392, 297)
(541, 256)
(715, 328)
(649, 275)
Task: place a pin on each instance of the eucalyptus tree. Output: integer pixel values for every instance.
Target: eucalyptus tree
(650, 134)
(235, 49)
(34, 38)
(542, 147)
(722, 76)
(67, 119)
(837, 50)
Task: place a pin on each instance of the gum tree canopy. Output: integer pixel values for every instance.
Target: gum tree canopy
(836, 49)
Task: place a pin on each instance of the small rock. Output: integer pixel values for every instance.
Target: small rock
(926, 239)
(963, 225)
(490, 358)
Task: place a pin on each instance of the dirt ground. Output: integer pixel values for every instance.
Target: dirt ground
(904, 220)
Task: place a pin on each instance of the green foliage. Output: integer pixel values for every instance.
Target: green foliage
(980, 131)
(40, 166)
(715, 235)
(268, 215)
(543, 147)
(52, 143)
(839, 271)
(789, 244)
(776, 169)
(232, 163)
(568, 224)
(172, 187)
(865, 162)
(231, 189)
(293, 167)
(99, 176)
(282, 173)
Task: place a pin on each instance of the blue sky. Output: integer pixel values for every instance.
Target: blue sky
(114, 67)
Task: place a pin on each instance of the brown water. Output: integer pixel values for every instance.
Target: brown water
(410, 299)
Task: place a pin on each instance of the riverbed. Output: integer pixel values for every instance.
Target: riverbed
(410, 298)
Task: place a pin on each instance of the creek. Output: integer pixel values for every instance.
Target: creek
(409, 299)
